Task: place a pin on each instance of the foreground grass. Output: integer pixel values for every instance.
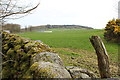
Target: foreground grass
(74, 47)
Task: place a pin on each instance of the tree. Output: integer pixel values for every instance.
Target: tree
(13, 28)
(12, 9)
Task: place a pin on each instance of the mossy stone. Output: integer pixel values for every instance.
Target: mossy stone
(19, 50)
(49, 70)
(17, 47)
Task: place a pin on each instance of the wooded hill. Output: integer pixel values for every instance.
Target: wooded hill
(56, 27)
(68, 26)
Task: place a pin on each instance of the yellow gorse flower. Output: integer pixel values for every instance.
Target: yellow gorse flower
(116, 28)
(113, 22)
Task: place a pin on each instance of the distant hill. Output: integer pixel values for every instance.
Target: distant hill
(57, 27)
(67, 26)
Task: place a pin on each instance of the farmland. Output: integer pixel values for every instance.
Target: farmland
(74, 47)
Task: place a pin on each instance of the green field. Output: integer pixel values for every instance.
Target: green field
(71, 38)
(74, 44)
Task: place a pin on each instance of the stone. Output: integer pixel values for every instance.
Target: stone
(18, 52)
(38, 41)
(77, 72)
(48, 57)
(7, 31)
(28, 46)
(48, 70)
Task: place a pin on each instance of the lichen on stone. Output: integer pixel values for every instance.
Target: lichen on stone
(18, 52)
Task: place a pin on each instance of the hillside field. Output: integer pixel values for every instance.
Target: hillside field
(74, 47)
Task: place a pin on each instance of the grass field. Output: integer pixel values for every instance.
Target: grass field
(74, 45)
(73, 39)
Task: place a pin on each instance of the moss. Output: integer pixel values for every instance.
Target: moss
(23, 66)
(5, 46)
(33, 67)
(25, 41)
(18, 40)
(17, 47)
(29, 73)
(27, 77)
(28, 46)
(5, 73)
(20, 50)
(10, 53)
(42, 72)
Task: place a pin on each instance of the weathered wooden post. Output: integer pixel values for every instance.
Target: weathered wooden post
(102, 56)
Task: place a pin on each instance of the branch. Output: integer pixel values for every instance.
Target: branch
(24, 12)
(8, 6)
(6, 62)
(3, 54)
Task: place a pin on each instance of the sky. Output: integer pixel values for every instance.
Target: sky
(91, 13)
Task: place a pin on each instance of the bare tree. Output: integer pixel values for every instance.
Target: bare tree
(12, 9)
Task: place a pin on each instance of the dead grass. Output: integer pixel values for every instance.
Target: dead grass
(83, 59)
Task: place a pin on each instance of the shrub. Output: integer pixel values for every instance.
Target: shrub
(112, 31)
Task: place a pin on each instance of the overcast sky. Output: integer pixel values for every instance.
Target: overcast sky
(92, 13)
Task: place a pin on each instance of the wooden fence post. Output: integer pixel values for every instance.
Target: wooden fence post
(102, 56)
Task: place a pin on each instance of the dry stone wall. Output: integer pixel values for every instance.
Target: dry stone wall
(17, 54)
(24, 58)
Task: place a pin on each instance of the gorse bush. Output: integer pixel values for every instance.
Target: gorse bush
(112, 31)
